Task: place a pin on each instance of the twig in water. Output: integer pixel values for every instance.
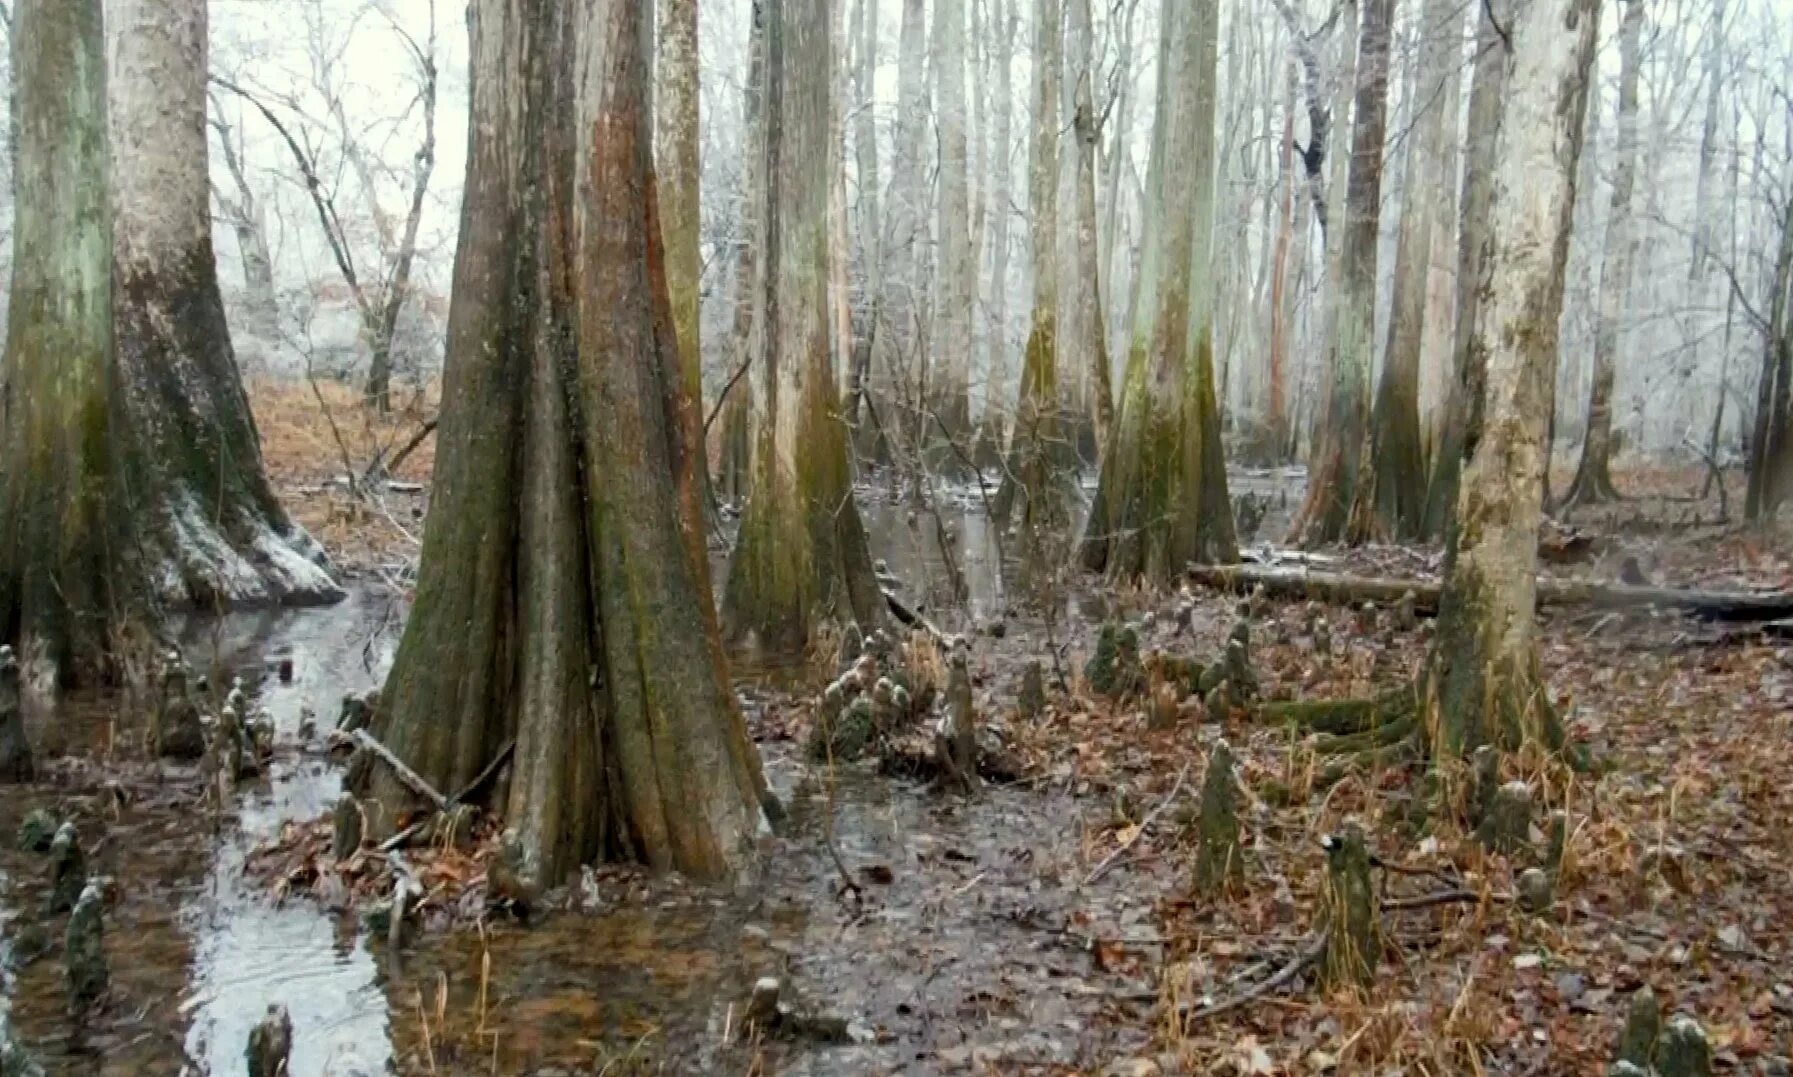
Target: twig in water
(1144, 825)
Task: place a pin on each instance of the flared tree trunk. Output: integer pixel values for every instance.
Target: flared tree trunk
(561, 600)
(131, 477)
(801, 555)
(994, 432)
(1341, 486)
(1484, 684)
(1161, 501)
(1088, 347)
(1041, 473)
(1397, 449)
(1463, 401)
(950, 377)
(1593, 476)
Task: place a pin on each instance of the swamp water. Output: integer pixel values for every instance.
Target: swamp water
(944, 949)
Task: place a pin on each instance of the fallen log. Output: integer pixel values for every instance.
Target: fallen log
(1346, 590)
(361, 738)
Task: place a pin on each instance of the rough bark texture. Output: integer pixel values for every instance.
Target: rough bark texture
(1397, 449)
(1593, 476)
(801, 555)
(1341, 490)
(871, 246)
(676, 127)
(1161, 501)
(1771, 441)
(132, 470)
(1463, 403)
(1484, 685)
(560, 599)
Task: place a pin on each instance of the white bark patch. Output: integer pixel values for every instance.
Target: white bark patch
(201, 565)
(157, 73)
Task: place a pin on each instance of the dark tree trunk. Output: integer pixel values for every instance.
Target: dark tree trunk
(563, 599)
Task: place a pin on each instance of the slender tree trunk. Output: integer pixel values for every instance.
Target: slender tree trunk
(907, 228)
(1276, 408)
(1593, 476)
(1089, 349)
(1340, 487)
(871, 248)
(1161, 501)
(1042, 467)
(1397, 449)
(1119, 153)
(1485, 684)
(801, 553)
(950, 378)
(560, 601)
(1464, 403)
(1770, 469)
(676, 137)
(749, 327)
(994, 435)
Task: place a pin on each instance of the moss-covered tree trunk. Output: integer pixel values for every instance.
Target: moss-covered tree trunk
(559, 599)
(1484, 684)
(1340, 489)
(131, 474)
(1397, 443)
(801, 555)
(1463, 399)
(1161, 501)
(1593, 475)
(1041, 471)
(677, 169)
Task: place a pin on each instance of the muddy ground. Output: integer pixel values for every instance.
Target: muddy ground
(1044, 926)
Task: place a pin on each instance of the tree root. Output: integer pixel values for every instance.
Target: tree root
(1307, 957)
(1342, 717)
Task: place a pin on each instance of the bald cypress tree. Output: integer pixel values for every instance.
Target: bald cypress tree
(563, 599)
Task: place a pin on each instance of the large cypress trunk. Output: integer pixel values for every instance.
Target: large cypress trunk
(1593, 476)
(560, 599)
(1397, 449)
(1161, 501)
(1341, 491)
(132, 472)
(801, 554)
(1484, 685)
(1088, 348)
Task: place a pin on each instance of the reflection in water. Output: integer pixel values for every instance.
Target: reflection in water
(248, 952)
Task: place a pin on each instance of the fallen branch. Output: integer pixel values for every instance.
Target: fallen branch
(411, 779)
(404, 836)
(1343, 589)
(1144, 825)
(904, 613)
(1302, 960)
(380, 467)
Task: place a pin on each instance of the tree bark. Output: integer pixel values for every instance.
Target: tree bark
(1593, 476)
(676, 128)
(1341, 488)
(1161, 501)
(1397, 449)
(1042, 461)
(131, 474)
(801, 554)
(1464, 402)
(948, 384)
(1089, 349)
(995, 428)
(560, 601)
(1484, 685)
